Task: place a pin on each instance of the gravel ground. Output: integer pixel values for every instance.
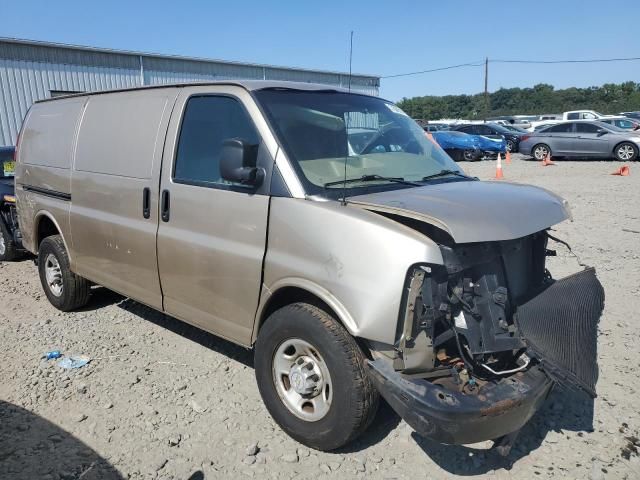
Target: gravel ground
(161, 399)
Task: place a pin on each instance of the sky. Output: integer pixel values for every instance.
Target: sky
(390, 37)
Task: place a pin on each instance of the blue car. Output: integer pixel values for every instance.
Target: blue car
(463, 146)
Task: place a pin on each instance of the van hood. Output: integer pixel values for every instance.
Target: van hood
(473, 211)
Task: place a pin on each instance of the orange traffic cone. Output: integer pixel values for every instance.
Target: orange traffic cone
(507, 157)
(623, 171)
(547, 161)
(499, 175)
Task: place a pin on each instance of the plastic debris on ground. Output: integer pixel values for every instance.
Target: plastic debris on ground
(52, 355)
(74, 361)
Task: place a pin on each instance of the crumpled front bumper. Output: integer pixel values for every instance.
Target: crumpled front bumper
(451, 417)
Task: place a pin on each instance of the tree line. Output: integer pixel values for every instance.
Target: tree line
(609, 98)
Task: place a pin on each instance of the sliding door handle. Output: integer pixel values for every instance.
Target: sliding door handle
(165, 206)
(146, 202)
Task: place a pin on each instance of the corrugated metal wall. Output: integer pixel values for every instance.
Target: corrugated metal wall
(30, 71)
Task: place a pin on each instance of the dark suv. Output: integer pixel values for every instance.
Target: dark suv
(493, 130)
(10, 238)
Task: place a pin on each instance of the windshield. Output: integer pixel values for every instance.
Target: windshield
(325, 133)
(500, 128)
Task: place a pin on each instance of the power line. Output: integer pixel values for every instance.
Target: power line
(597, 60)
(481, 63)
(474, 64)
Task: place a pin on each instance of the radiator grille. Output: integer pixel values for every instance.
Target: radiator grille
(560, 328)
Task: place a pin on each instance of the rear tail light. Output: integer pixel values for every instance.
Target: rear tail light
(525, 137)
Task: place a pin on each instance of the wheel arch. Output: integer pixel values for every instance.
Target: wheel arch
(45, 225)
(288, 291)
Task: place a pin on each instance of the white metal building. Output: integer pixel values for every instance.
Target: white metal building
(33, 70)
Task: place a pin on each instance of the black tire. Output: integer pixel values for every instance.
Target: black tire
(511, 146)
(470, 156)
(540, 147)
(8, 249)
(355, 399)
(625, 147)
(75, 289)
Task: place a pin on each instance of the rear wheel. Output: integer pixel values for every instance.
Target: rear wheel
(470, 156)
(540, 151)
(626, 152)
(8, 250)
(510, 146)
(312, 377)
(65, 290)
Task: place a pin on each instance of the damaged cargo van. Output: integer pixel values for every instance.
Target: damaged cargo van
(323, 229)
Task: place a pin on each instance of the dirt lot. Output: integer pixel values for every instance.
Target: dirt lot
(163, 400)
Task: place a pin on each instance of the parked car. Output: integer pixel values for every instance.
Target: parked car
(514, 128)
(10, 241)
(582, 115)
(624, 123)
(541, 125)
(458, 145)
(435, 127)
(634, 115)
(493, 130)
(582, 139)
(238, 207)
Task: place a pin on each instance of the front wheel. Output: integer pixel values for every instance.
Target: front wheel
(65, 290)
(625, 152)
(313, 378)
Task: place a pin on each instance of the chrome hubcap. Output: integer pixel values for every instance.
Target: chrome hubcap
(53, 274)
(3, 246)
(302, 379)
(625, 152)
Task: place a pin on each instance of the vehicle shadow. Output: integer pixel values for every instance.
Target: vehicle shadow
(32, 447)
(385, 421)
(564, 410)
(207, 340)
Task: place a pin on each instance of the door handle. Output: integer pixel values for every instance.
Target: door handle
(146, 202)
(165, 206)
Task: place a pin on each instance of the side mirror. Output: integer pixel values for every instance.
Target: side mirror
(602, 131)
(238, 160)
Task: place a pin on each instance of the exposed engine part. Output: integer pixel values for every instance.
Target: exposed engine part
(486, 306)
(526, 363)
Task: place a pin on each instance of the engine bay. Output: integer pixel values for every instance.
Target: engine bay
(493, 310)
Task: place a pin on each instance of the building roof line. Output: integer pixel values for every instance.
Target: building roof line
(42, 43)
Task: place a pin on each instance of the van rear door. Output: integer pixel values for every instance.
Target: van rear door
(114, 189)
(212, 233)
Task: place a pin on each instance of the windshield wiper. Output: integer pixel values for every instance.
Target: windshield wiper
(443, 173)
(372, 178)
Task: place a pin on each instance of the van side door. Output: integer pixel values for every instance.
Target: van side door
(114, 190)
(212, 233)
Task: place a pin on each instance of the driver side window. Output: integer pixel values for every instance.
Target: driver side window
(207, 122)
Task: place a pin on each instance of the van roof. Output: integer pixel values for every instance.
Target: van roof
(249, 85)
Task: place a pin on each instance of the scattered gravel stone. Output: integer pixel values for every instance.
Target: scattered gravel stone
(252, 449)
(289, 458)
(174, 440)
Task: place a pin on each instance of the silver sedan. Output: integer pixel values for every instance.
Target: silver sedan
(583, 139)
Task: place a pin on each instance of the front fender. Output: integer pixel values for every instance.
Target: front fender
(353, 259)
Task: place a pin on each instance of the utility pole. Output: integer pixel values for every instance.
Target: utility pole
(486, 88)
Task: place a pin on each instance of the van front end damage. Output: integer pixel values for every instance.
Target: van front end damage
(482, 339)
